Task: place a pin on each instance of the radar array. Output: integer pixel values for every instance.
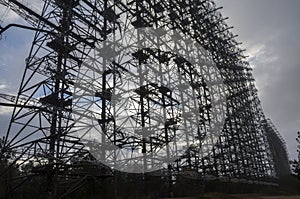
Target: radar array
(120, 81)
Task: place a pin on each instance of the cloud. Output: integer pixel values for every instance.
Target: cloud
(7, 15)
(4, 121)
(260, 54)
(5, 111)
(5, 12)
(2, 86)
(269, 31)
(13, 51)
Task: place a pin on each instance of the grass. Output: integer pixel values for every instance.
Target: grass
(238, 196)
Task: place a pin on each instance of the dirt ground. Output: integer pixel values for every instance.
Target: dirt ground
(238, 196)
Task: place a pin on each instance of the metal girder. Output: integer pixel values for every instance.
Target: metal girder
(86, 76)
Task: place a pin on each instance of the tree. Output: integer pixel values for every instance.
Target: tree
(7, 171)
(296, 163)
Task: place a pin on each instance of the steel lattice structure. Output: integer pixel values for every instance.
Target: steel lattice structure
(278, 149)
(96, 76)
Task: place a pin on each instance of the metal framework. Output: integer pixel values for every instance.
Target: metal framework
(278, 149)
(97, 80)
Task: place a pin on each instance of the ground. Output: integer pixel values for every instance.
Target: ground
(238, 196)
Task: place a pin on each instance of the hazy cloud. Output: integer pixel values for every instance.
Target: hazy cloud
(269, 30)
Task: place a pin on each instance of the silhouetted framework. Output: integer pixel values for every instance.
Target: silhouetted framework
(278, 149)
(71, 56)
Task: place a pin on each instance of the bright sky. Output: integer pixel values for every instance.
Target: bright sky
(269, 30)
